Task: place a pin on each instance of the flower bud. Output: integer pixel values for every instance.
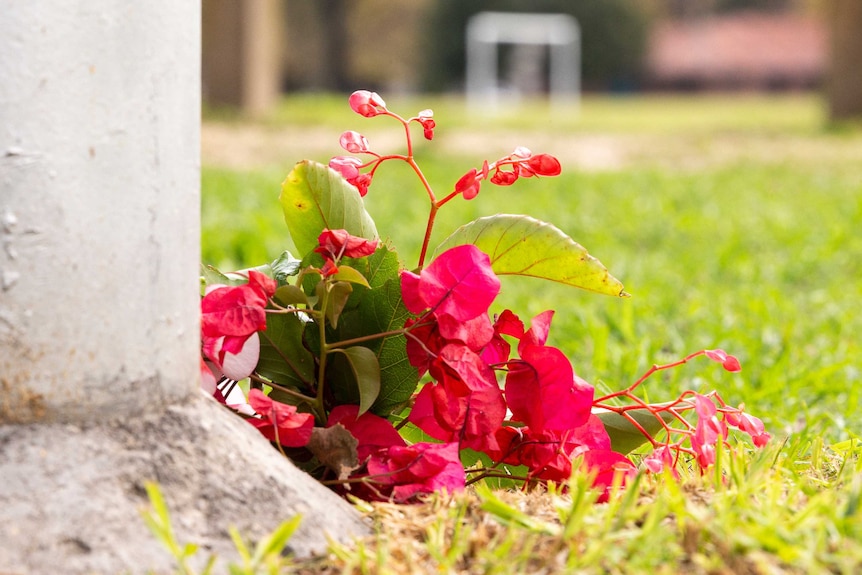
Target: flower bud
(353, 142)
(368, 104)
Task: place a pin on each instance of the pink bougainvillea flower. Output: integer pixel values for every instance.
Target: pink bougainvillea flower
(280, 422)
(235, 363)
(498, 349)
(424, 342)
(426, 118)
(543, 391)
(749, 424)
(707, 432)
(548, 454)
(465, 405)
(468, 185)
(237, 310)
(371, 431)
(475, 333)
(609, 466)
(339, 243)
(661, 458)
(368, 104)
(540, 327)
(459, 282)
(418, 469)
(231, 316)
(329, 268)
(209, 382)
(353, 142)
(728, 362)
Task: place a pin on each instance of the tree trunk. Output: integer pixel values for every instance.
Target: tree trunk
(332, 15)
(844, 86)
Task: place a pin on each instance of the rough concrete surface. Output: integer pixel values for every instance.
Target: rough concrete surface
(70, 496)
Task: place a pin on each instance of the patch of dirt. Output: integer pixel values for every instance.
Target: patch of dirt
(249, 146)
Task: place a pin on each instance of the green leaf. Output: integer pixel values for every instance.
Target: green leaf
(285, 266)
(380, 309)
(290, 295)
(625, 437)
(276, 541)
(212, 276)
(339, 292)
(314, 198)
(283, 357)
(366, 371)
(240, 545)
(521, 245)
(352, 275)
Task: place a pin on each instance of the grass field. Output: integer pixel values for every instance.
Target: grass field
(732, 221)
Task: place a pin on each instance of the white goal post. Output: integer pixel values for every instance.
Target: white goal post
(486, 31)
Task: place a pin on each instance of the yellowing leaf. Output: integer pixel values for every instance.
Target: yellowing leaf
(314, 197)
(525, 246)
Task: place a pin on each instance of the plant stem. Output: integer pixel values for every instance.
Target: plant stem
(431, 217)
(364, 338)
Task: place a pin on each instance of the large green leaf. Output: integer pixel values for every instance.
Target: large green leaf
(314, 198)
(366, 372)
(625, 437)
(283, 357)
(521, 245)
(379, 309)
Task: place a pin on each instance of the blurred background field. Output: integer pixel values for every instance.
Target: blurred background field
(731, 219)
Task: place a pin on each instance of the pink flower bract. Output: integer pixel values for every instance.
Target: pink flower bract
(339, 243)
(543, 391)
(371, 431)
(459, 283)
(418, 469)
(280, 422)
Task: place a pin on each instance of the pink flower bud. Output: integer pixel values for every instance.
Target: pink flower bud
(544, 165)
(728, 362)
(353, 142)
(502, 178)
(347, 166)
(426, 118)
(468, 185)
(368, 104)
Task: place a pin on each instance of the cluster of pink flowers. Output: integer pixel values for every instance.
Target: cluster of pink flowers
(495, 386)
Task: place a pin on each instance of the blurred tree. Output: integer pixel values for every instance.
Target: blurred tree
(332, 17)
(844, 87)
(613, 35)
(761, 5)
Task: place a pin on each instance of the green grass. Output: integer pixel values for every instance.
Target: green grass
(650, 114)
(761, 258)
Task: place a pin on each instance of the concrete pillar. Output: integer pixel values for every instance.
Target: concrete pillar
(99, 304)
(99, 209)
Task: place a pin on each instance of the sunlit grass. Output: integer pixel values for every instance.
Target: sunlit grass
(665, 114)
(775, 511)
(759, 258)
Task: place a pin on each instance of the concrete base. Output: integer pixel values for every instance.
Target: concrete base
(70, 496)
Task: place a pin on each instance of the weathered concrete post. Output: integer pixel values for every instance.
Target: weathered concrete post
(99, 251)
